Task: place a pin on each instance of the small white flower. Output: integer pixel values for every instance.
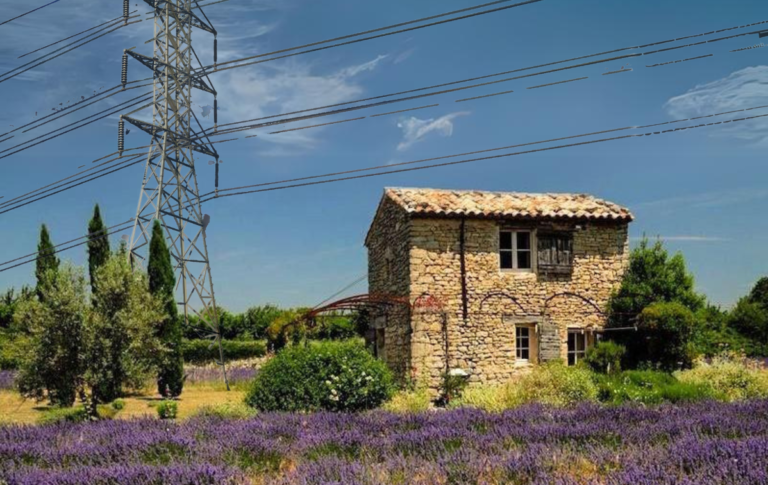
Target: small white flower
(458, 372)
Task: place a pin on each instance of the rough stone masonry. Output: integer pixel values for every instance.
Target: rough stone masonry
(444, 247)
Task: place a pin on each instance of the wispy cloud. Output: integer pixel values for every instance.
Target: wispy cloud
(403, 56)
(742, 89)
(684, 238)
(415, 129)
(707, 200)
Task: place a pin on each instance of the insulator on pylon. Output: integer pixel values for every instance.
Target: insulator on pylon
(217, 176)
(120, 136)
(215, 113)
(215, 52)
(126, 7)
(124, 72)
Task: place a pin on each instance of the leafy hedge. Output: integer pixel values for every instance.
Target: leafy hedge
(201, 351)
(334, 376)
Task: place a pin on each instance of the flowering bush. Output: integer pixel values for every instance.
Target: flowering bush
(730, 377)
(335, 376)
(167, 410)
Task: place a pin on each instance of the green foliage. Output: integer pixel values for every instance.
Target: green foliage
(750, 318)
(8, 303)
(409, 401)
(121, 348)
(649, 387)
(759, 293)
(227, 411)
(555, 384)
(729, 378)
(491, 398)
(98, 245)
(47, 263)
(451, 386)
(335, 376)
(257, 320)
(287, 327)
(652, 277)
(57, 361)
(14, 348)
(201, 351)
(118, 404)
(65, 414)
(605, 357)
(667, 330)
(170, 377)
(167, 409)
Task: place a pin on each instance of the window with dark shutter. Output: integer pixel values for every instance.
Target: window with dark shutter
(555, 253)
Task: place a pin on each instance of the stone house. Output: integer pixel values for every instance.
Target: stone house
(497, 281)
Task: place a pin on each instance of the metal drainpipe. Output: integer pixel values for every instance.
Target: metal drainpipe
(463, 271)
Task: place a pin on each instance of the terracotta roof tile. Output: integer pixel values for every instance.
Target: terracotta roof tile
(478, 203)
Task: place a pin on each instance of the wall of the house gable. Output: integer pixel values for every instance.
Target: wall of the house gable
(485, 345)
(388, 240)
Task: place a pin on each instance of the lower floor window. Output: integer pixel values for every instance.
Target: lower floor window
(523, 343)
(379, 344)
(577, 346)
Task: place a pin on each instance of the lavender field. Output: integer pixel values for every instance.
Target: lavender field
(706, 443)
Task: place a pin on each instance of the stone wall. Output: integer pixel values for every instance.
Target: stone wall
(388, 273)
(484, 344)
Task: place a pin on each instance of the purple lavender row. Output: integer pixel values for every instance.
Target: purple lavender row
(703, 443)
(6, 379)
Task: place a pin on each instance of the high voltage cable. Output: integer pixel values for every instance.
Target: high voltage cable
(372, 31)
(67, 242)
(66, 249)
(113, 110)
(77, 103)
(27, 13)
(516, 70)
(494, 149)
(62, 53)
(67, 38)
(603, 140)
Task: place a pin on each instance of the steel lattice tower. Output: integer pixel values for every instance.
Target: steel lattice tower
(169, 191)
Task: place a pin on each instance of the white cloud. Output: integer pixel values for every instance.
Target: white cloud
(745, 88)
(415, 129)
(366, 66)
(685, 238)
(403, 56)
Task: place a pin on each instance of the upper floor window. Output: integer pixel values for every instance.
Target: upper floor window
(515, 249)
(554, 252)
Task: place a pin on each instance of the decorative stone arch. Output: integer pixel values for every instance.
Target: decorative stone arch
(500, 294)
(551, 338)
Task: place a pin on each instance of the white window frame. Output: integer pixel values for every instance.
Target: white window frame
(532, 242)
(577, 354)
(529, 329)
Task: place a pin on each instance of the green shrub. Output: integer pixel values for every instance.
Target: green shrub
(409, 401)
(13, 348)
(729, 378)
(226, 411)
(453, 384)
(649, 387)
(668, 329)
(335, 376)
(201, 351)
(118, 404)
(554, 384)
(605, 357)
(168, 409)
(491, 398)
(58, 415)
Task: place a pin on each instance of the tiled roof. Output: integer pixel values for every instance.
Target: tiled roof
(476, 203)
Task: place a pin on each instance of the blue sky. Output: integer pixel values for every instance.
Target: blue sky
(702, 190)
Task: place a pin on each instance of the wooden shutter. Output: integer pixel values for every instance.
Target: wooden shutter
(555, 253)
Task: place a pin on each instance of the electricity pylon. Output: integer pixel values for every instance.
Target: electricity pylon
(169, 191)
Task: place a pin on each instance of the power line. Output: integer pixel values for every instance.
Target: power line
(603, 140)
(504, 73)
(65, 249)
(496, 149)
(77, 103)
(67, 38)
(27, 13)
(681, 60)
(402, 24)
(61, 54)
(113, 110)
(67, 242)
(358, 280)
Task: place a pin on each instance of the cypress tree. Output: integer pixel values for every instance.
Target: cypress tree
(46, 261)
(170, 378)
(98, 245)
